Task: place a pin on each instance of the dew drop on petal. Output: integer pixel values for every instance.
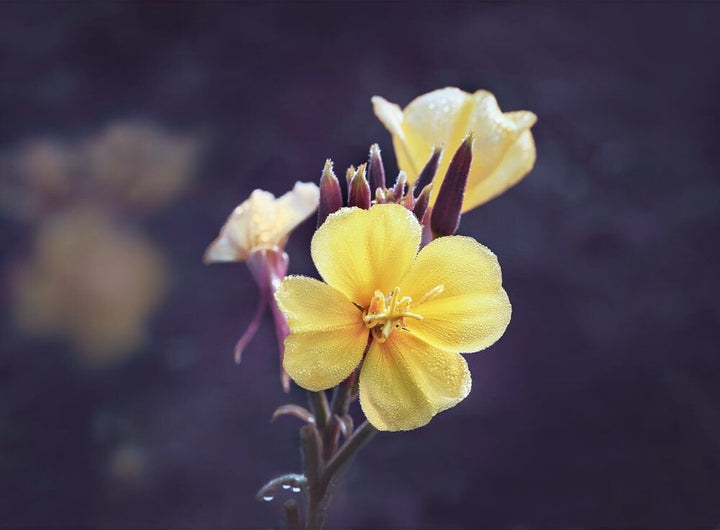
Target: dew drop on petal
(296, 489)
(286, 486)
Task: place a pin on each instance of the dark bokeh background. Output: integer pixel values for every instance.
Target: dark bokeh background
(600, 407)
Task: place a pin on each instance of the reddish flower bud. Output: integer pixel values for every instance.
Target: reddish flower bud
(376, 171)
(422, 202)
(399, 188)
(445, 218)
(428, 172)
(330, 194)
(359, 189)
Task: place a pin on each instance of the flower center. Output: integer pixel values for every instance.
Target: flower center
(386, 313)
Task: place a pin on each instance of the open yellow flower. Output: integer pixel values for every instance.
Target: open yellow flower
(405, 315)
(263, 222)
(503, 151)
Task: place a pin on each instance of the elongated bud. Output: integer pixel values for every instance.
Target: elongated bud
(422, 202)
(359, 189)
(408, 201)
(330, 194)
(445, 218)
(376, 171)
(427, 174)
(399, 188)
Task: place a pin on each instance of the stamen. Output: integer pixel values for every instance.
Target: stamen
(388, 313)
(432, 294)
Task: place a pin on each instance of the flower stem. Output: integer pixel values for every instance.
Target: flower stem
(320, 408)
(320, 491)
(341, 396)
(359, 438)
(292, 517)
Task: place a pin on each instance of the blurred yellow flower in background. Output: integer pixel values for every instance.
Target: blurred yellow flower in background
(141, 163)
(91, 279)
(92, 282)
(405, 315)
(503, 150)
(263, 222)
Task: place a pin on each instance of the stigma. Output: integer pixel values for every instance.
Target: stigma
(387, 313)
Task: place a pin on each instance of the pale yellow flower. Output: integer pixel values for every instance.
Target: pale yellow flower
(263, 222)
(406, 315)
(503, 149)
(256, 232)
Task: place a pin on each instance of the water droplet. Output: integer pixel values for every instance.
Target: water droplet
(267, 498)
(286, 486)
(296, 489)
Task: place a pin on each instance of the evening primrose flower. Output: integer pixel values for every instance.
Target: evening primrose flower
(405, 315)
(504, 150)
(263, 222)
(256, 233)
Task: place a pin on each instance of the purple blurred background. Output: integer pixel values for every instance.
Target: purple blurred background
(600, 407)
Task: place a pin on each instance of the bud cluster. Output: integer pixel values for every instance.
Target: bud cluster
(443, 218)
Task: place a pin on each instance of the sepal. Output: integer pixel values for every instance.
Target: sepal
(445, 218)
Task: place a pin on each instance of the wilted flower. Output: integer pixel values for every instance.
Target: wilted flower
(92, 282)
(256, 232)
(504, 150)
(405, 315)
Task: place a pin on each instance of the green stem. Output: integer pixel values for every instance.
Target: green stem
(320, 488)
(321, 410)
(341, 398)
(359, 438)
(292, 517)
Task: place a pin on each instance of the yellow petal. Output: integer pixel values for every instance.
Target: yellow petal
(503, 150)
(318, 360)
(443, 118)
(473, 310)
(262, 222)
(405, 382)
(389, 114)
(327, 338)
(361, 251)
(435, 119)
(295, 206)
(311, 305)
(517, 162)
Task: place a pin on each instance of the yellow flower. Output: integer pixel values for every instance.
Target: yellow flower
(92, 282)
(503, 152)
(263, 222)
(413, 311)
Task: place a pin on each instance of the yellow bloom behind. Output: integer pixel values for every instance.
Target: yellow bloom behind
(503, 152)
(407, 314)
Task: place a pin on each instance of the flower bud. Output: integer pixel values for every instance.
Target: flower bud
(381, 196)
(445, 218)
(428, 172)
(376, 171)
(359, 189)
(399, 188)
(330, 194)
(422, 202)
